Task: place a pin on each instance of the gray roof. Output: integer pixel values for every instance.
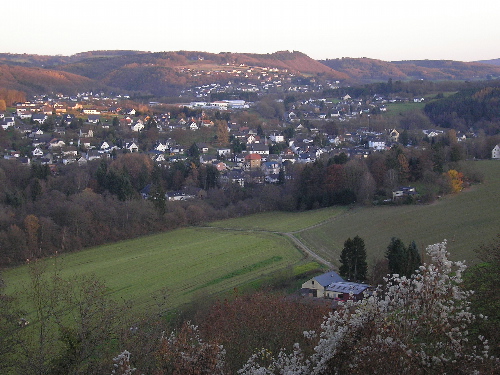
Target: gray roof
(347, 287)
(328, 278)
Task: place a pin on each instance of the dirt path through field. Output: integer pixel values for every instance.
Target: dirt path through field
(291, 235)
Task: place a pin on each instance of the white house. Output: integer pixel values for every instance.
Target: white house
(161, 147)
(132, 147)
(495, 153)
(37, 151)
(277, 138)
(138, 126)
(91, 111)
(224, 151)
(376, 144)
(7, 122)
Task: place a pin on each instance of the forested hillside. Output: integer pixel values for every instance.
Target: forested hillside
(39, 80)
(161, 73)
(366, 69)
(468, 109)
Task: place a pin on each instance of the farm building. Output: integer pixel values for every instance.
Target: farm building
(332, 286)
(346, 290)
(316, 287)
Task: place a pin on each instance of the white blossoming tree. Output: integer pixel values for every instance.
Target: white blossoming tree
(416, 325)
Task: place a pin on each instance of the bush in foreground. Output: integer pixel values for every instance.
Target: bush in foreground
(415, 325)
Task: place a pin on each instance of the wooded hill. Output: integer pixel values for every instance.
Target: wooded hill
(34, 80)
(157, 73)
(364, 70)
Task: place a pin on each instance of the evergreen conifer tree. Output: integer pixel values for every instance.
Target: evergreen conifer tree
(353, 259)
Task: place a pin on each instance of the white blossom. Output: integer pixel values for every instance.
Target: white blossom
(421, 321)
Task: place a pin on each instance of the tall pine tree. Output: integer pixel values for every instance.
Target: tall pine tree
(402, 260)
(353, 260)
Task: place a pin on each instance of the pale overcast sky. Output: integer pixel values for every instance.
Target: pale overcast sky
(384, 29)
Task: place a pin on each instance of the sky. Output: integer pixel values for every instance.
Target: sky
(388, 30)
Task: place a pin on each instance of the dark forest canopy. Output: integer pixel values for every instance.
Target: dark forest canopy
(470, 108)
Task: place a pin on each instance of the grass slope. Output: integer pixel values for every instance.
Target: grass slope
(465, 220)
(189, 263)
(281, 221)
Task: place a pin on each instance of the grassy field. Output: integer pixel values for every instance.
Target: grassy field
(281, 221)
(189, 262)
(465, 220)
(194, 262)
(396, 109)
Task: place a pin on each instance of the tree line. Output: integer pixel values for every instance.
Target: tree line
(474, 108)
(65, 209)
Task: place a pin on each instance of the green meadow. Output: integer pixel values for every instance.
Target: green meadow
(465, 220)
(283, 222)
(187, 263)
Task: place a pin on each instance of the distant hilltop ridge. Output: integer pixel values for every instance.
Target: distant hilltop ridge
(157, 73)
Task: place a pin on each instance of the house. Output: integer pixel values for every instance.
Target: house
(239, 159)
(25, 115)
(235, 177)
(208, 159)
(138, 126)
(495, 153)
(179, 196)
(42, 139)
(93, 155)
(277, 138)
(7, 122)
(307, 157)
(346, 290)
(271, 168)
(161, 147)
(132, 146)
(254, 177)
(177, 149)
(259, 148)
(39, 117)
(37, 152)
(60, 108)
(105, 147)
(157, 156)
(86, 133)
(94, 119)
(203, 147)
(85, 142)
(221, 166)
(394, 135)
(56, 143)
(377, 144)
(91, 111)
(272, 178)
(316, 287)
(224, 152)
(253, 161)
(207, 123)
(67, 118)
(402, 192)
(69, 151)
